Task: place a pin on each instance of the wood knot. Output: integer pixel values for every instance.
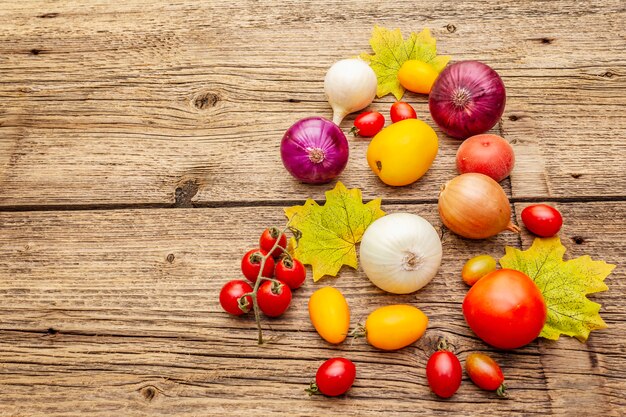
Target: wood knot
(185, 192)
(579, 240)
(293, 100)
(576, 175)
(513, 118)
(607, 74)
(451, 28)
(546, 41)
(148, 392)
(48, 15)
(205, 100)
(35, 51)
(170, 258)
(51, 331)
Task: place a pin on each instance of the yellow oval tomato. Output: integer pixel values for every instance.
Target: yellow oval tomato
(330, 314)
(395, 326)
(417, 76)
(402, 152)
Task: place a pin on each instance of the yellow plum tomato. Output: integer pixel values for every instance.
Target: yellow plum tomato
(395, 326)
(417, 76)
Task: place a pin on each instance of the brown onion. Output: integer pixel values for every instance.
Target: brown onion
(475, 206)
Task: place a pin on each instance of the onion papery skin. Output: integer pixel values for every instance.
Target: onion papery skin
(314, 150)
(467, 99)
(400, 253)
(475, 206)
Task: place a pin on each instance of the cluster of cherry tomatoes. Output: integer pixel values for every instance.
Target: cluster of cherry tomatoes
(272, 271)
(369, 123)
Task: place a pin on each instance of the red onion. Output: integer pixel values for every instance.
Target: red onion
(314, 150)
(467, 99)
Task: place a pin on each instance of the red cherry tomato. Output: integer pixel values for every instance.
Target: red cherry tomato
(231, 300)
(542, 220)
(485, 373)
(401, 110)
(251, 264)
(334, 377)
(273, 298)
(291, 272)
(368, 124)
(505, 308)
(268, 239)
(444, 373)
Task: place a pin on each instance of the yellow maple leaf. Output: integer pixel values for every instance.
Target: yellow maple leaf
(391, 50)
(330, 232)
(564, 285)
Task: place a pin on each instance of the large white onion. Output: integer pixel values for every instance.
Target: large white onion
(400, 252)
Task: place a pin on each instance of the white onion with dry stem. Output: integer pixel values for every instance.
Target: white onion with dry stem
(350, 85)
(400, 252)
(475, 206)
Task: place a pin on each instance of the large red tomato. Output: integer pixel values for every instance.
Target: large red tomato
(505, 309)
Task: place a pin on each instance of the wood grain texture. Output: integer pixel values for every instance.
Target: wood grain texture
(117, 118)
(126, 103)
(98, 318)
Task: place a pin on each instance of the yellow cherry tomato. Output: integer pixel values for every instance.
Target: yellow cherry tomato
(330, 314)
(395, 326)
(417, 76)
(476, 268)
(402, 152)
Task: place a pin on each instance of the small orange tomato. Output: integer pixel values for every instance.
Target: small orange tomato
(417, 76)
(485, 373)
(476, 268)
(330, 314)
(395, 326)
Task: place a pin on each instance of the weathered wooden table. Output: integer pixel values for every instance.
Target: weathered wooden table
(139, 160)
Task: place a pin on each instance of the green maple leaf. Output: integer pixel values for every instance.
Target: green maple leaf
(564, 285)
(391, 50)
(330, 232)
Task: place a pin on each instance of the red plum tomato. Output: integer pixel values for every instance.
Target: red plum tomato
(542, 220)
(368, 124)
(401, 110)
(334, 377)
(444, 373)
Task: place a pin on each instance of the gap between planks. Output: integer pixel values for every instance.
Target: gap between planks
(279, 203)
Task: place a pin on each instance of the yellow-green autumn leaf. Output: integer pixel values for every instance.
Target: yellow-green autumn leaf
(391, 50)
(564, 285)
(330, 232)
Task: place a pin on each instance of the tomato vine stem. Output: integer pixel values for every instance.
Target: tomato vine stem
(261, 278)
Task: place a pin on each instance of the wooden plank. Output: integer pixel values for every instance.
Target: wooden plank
(97, 318)
(113, 104)
(590, 229)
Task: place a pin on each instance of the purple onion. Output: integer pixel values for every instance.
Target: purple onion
(467, 99)
(314, 150)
